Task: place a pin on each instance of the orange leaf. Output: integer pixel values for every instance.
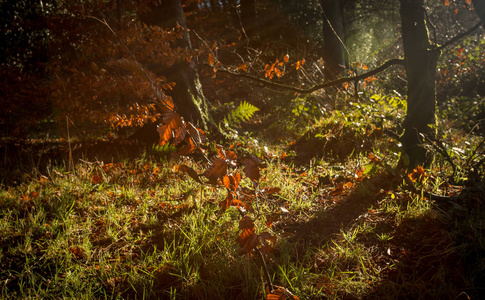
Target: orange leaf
(373, 158)
(172, 127)
(359, 175)
(447, 2)
(247, 240)
(217, 168)
(231, 182)
(77, 252)
(228, 155)
(96, 179)
(418, 174)
(211, 59)
(280, 293)
(197, 134)
(188, 149)
(338, 190)
(227, 202)
(272, 190)
(243, 67)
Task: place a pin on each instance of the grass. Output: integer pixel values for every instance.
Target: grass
(135, 229)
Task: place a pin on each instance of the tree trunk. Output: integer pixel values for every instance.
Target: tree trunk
(420, 64)
(187, 94)
(333, 35)
(479, 6)
(248, 18)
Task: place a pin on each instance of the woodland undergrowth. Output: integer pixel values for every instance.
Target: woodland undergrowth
(250, 220)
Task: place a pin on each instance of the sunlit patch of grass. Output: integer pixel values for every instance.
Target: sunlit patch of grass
(135, 229)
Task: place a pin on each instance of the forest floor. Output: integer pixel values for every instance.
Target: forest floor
(108, 221)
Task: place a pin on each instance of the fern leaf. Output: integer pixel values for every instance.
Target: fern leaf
(242, 113)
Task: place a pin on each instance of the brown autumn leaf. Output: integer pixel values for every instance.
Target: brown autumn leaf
(247, 240)
(188, 149)
(186, 169)
(96, 179)
(129, 65)
(226, 203)
(172, 127)
(197, 134)
(77, 252)
(251, 167)
(373, 158)
(227, 155)
(211, 59)
(338, 190)
(271, 190)
(231, 182)
(418, 174)
(217, 169)
(271, 218)
(268, 240)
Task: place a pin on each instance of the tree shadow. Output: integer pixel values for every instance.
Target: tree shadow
(428, 256)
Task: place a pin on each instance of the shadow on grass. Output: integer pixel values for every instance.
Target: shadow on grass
(438, 253)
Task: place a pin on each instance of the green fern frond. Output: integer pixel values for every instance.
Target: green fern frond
(240, 114)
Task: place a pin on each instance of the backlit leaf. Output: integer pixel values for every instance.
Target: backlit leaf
(172, 127)
(217, 169)
(247, 240)
(188, 149)
(197, 134)
(231, 182)
(251, 168)
(211, 59)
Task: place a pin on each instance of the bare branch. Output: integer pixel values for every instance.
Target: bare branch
(458, 37)
(387, 64)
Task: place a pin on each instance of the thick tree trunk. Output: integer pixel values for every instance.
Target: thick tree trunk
(333, 35)
(187, 94)
(420, 64)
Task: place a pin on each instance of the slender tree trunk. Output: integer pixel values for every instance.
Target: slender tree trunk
(333, 35)
(420, 64)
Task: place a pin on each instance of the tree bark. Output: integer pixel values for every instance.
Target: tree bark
(479, 6)
(187, 94)
(420, 64)
(333, 35)
(248, 18)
